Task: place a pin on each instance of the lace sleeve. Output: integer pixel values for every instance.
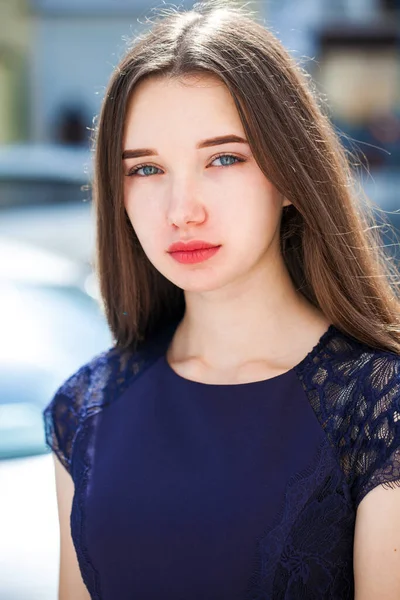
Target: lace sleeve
(62, 416)
(377, 457)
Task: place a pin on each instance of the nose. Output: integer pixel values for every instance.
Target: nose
(185, 207)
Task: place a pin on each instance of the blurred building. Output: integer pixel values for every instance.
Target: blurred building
(352, 49)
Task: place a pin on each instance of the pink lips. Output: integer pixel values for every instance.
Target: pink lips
(192, 252)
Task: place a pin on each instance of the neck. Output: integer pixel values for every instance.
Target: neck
(262, 318)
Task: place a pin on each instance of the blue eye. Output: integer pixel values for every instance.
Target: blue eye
(228, 156)
(139, 168)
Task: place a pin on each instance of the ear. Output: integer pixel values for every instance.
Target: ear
(286, 202)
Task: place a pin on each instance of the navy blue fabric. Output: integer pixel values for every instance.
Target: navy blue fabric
(244, 492)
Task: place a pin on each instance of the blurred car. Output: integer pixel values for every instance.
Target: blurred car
(51, 324)
(45, 197)
(35, 174)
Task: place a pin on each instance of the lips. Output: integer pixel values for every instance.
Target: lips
(192, 252)
(191, 246)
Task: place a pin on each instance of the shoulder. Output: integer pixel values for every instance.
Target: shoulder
(343, 361)
(351, 384)
(371, 374)
(94, 385)
(354, 390)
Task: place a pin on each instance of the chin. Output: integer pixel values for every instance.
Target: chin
(199, 281)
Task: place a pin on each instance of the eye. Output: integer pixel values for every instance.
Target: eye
(138, 168)
(229, 162)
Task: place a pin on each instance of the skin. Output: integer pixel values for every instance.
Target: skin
(242, 298)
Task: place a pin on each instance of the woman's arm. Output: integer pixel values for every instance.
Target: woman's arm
(377, 546)
(71, 586)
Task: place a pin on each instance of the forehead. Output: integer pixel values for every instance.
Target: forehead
(199, 102)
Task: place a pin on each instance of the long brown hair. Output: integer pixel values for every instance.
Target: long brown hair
(330, 249)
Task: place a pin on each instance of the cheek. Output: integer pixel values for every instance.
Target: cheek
(146, 221)
(253, 215)
(137, 210)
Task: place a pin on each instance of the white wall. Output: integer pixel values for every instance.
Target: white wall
(72, 60)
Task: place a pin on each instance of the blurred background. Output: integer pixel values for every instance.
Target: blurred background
(55, 60)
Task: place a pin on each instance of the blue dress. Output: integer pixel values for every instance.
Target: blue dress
(192, 491)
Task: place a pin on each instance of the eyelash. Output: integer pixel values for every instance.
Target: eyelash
(134, 170)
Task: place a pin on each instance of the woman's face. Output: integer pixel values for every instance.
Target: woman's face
(183, 188)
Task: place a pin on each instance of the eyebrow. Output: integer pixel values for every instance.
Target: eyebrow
(216, 141)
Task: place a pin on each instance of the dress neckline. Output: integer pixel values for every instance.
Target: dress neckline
(310, 357)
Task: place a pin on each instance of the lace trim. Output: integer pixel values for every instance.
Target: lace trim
(81, 469)
(354, 391)
(291, 562)
(85, 394)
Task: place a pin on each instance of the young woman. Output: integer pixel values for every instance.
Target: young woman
(241, 440)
